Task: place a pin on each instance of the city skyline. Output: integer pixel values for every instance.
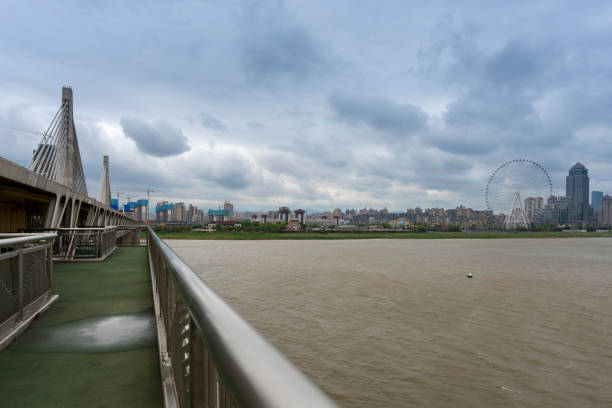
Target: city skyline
(533, 210)
(577, 169)
(314, 106)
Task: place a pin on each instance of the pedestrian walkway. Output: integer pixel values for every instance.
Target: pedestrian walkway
(96, 347)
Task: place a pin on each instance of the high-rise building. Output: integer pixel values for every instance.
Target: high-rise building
(557, 211)
(284, 214)
(534, 208)
(179, 213)
(229, 208)
(595, 197)
(192, 214)
(577, 189)
(140, 210)
(604, 212)
(163, 212)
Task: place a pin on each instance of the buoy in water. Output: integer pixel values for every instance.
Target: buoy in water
(469, 275)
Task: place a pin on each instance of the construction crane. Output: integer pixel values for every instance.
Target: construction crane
(148, 191)
(119, 193)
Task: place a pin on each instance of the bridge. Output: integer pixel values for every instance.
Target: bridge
(92, 315)
(51, 192)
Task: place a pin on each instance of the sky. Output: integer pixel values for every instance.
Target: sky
(314, 104)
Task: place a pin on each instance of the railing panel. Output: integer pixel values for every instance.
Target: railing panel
(197, 370)
(25, 272)
(217, 359)
(9, 298)
(84, 243)
(35, 275)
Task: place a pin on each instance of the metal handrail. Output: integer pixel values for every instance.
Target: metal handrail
(254, 372)
(86, 228)
(8, 240)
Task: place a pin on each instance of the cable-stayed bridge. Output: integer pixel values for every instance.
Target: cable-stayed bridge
(136, 329)
(51, 192)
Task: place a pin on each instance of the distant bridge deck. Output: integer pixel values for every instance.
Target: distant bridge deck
(36, 370)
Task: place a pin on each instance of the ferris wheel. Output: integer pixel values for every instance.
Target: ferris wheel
(513, 182)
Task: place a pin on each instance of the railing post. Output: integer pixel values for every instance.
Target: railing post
(197, 368)
(50, 264)
(20, 282)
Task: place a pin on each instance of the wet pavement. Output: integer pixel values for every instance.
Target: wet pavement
(96, 347)
(102, 334)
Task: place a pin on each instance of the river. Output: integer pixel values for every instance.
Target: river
(396, 323)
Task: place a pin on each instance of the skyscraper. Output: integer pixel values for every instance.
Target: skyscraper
(595, 197)
(577, 189)
(557, 211)
(179, 212)
(534, 208)
(604, 215)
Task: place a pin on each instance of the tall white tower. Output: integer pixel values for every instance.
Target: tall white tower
(104, 195)
(57, 156)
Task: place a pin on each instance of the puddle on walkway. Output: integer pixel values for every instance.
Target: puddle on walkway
(100, 334)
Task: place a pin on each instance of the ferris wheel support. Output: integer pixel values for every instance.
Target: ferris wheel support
(518, 216)
(530, 180)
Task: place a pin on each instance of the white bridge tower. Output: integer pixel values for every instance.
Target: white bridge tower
(57, 156)
(104, 195)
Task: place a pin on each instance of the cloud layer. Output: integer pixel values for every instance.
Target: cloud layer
(314, 105)
(159, 139)
(379, 113)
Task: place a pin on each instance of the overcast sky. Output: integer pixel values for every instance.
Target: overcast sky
(313, 104)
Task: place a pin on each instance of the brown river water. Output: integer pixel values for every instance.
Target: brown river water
(396, 323)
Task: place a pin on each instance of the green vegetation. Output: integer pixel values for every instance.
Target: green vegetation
(131, 378)
(246, 235)
(253, 227)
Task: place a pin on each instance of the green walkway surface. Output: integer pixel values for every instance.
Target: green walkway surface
(31, 376)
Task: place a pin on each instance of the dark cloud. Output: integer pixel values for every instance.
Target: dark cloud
(289, 51)
(466, 141)
(579, 108)
(492, 108)
(212, 123)
(518, 64)
(160, 139)
(379, 113)
(275, 46)
(451, 53)
(496, 106)
(501, 87)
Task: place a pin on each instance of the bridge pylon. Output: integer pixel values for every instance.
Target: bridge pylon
(104, 195)
(57, 156)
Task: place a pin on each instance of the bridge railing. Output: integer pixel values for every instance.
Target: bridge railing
(210, 356)
(84, 243)
(130, 234)
(26, 274)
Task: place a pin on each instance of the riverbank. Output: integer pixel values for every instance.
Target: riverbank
(244, 235)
